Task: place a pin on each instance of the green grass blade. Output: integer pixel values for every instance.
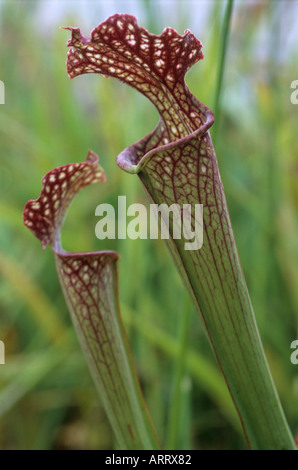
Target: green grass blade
(221, 66)
(179, 372)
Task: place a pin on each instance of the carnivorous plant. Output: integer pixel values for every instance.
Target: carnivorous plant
(176, 164)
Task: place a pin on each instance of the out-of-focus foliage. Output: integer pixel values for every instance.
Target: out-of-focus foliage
(47, 398)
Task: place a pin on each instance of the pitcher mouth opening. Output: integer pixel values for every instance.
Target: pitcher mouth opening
(133, 158)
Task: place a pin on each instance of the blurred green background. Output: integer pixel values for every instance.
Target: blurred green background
(47, 398)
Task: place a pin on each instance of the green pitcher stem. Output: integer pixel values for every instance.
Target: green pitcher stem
(103, 339)
(215, 281)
